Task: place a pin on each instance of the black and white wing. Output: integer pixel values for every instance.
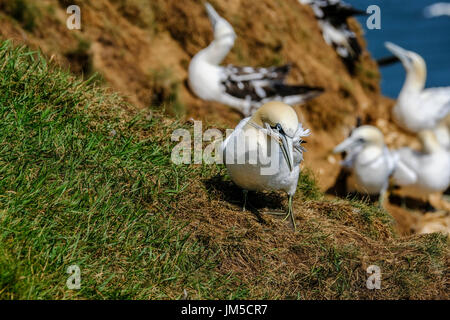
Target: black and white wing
(261, 85)
(337, 12)
(349, 50)
(332, 16)
(238, 74)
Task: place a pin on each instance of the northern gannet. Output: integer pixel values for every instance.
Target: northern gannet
(264, 151)
(437, 10)
(417, 108)
(332, 16)
(429, 169)
(442, 132)
(243, 88)
(387, 61)
(369, 159)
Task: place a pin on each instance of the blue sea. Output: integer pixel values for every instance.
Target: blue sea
(404, 23)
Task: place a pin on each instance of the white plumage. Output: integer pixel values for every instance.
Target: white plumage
(270, 158)
(417, 108)
(243, 88)
(429, 170)
(332, 17)
(369, 159)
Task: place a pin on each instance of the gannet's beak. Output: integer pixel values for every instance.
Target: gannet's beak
(344, 146)
(399, 52)
(287, 147)
(221, 27)
(212, 14)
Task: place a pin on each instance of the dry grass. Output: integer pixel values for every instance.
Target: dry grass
(326, 259)
(166, 239)
(131, 39)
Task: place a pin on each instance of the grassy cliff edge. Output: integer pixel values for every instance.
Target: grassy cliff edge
(86, 181)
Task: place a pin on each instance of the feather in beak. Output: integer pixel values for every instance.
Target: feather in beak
(286, 145)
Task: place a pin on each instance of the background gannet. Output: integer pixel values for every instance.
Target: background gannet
(417, 108)
(429, 169)
(272, 130)
(387, 61)
(243, 88)
(332, 16)
(369, 159)
(442, 132)
(437, 10)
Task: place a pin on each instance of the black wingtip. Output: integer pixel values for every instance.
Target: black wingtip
(317, 91)
(357, 12)
(387, 61)
(283, 70)
(294, 90)
(339, 13)
(314, 92)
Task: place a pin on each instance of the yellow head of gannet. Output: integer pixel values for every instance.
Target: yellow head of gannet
(414, 65)
(364, 136)
(281, 121)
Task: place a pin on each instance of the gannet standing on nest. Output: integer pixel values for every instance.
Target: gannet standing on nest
(429, 169)
(264, 152)
(243, 88)
(369, 159)
(332, 16)
(417, 108)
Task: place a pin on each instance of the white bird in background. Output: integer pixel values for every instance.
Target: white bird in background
(417, 108)
(429, 170)
(437, 10)
(332, 16)
(243, 88)
(369, 159)
(271, 138)
(442, 132)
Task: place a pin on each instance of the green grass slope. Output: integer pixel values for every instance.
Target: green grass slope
(85, 181)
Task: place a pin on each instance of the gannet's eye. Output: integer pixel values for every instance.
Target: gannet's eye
(361, 140)
(277, 127)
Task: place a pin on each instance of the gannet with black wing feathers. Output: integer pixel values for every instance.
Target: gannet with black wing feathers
(369, 159)
(417, 108)
(332, 16)
(243, 88)
(429, 169)
(264, 152)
